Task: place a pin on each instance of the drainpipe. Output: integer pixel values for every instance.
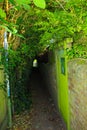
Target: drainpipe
(7, 82)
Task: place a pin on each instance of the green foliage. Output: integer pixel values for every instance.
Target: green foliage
(50, 27)
(21, 2)
(66, 20)
(2, 13)
(40, 3)
(19, 69)
(19, 85)
(18, 5)
(12, 2)
(77, 51)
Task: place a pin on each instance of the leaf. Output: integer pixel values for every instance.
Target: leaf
(19, 35)
(14, 31)
(12, 2)
(21, 2)
(7, 29)
(2, 13)
(26, 7)
(40, 3)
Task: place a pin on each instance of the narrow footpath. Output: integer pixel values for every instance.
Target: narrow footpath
(44, 114)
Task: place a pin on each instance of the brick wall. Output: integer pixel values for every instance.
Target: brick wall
(77, 78)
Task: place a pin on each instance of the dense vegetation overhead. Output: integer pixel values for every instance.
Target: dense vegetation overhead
(53, 22)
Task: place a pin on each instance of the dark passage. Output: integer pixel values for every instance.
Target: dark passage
(44, 115)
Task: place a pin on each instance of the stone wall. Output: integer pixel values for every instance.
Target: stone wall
(49, 77)
(77, 78)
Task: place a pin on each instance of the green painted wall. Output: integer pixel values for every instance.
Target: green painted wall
(62, 85)
(3, 105)
(3, 102)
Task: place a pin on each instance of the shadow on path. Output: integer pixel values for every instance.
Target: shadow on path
(44, 114)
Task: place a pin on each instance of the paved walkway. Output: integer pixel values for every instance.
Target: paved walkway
(44, 114)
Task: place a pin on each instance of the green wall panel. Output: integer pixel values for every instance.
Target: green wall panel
(3, 101)
(62, 85)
